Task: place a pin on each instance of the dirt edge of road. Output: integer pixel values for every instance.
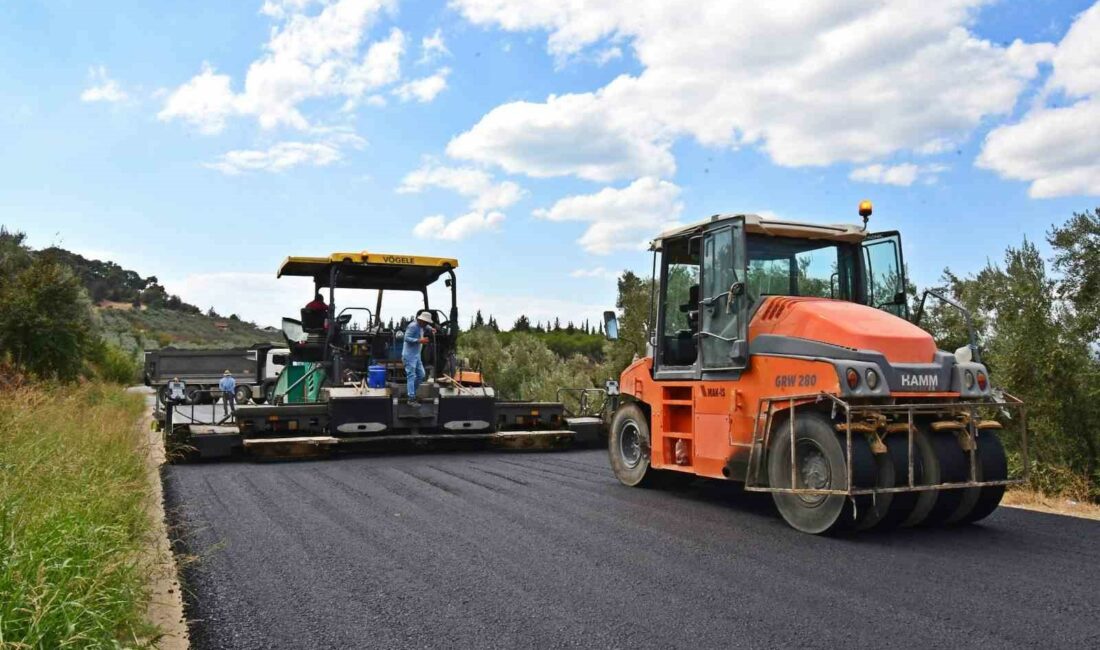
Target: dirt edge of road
(1028, 500)
(165, 598)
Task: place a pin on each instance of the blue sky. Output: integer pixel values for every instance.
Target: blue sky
(202, 142)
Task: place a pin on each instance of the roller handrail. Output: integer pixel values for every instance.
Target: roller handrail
(972, 334)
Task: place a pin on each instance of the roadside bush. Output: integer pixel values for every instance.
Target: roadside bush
(46, 321)
(114, 365)
(524, 367)
(72, 518)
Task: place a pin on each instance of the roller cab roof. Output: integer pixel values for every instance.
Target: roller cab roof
(367, 270)
(755, 224)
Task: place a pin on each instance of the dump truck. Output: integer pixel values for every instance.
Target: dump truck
(256, 370)
(783, 356)
(344, 382)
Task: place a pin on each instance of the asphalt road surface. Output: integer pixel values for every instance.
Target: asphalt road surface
(547, 549)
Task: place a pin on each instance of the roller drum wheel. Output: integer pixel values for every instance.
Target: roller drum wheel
(820, 455)
(992, 466)
(954, 468)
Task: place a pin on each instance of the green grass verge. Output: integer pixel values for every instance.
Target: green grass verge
(73, 522)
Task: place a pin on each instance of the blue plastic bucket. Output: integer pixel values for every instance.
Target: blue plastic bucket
(376, 377)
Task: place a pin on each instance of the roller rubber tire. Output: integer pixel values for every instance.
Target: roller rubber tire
(926, 471)
(821, 458)
(954, 468)
(628, 447)
(992, 466)
(875, 509)
(902, 504)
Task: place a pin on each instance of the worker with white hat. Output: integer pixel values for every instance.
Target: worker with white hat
(228, 386)
(415, 338)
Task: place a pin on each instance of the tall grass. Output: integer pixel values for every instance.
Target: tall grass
(72, 518)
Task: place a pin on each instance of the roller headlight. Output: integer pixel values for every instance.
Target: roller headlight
(968, 379)
(872, 378)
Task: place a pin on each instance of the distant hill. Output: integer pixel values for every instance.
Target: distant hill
(109, 282)
(137, 313)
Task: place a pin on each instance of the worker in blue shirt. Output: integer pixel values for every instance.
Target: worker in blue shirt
(415, 339)
(228, 386)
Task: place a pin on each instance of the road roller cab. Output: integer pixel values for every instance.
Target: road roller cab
(783, 355)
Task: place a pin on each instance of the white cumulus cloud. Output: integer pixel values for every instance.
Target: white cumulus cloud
(856, 81)
(285, 155)
(620, 219)
(485, 193)
(425, 89)
(433, 47)
(310, 54)
(1055, 148)
(103, 88)
(439, 227)
(205, 102)
(579, 134)
(904, 174)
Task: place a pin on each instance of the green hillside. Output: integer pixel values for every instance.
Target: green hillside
(134, 330)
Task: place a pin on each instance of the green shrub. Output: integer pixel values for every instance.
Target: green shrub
(47, 325)
(114, 365)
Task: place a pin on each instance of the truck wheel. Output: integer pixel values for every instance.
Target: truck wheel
(628, 447)
(194, 395)
(162, 396)
(269, 393)
(243, 394)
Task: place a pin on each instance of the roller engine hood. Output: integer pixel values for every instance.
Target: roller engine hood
(846, 324)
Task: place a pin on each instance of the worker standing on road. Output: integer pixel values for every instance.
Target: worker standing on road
(415, 339)
(228, 386)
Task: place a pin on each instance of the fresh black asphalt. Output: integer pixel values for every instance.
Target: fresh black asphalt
(516, 550)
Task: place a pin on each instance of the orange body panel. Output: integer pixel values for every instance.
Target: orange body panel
(712, 421)
(844, 323)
